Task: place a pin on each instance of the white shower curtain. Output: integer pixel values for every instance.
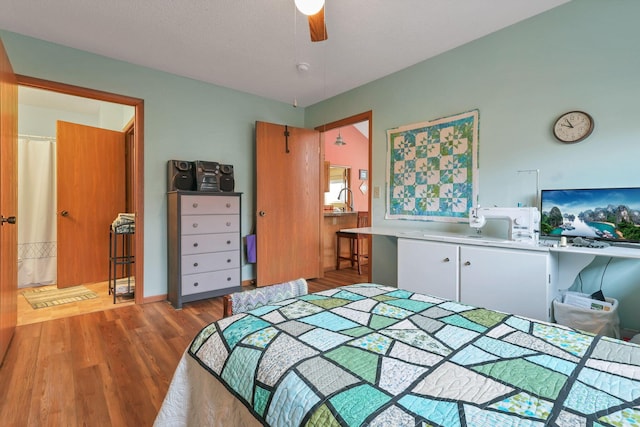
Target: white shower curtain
(36, 212)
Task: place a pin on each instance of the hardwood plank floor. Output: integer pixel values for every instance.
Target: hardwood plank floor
(27, 314)
(106, 368)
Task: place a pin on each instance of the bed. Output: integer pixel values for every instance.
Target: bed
(374, 355)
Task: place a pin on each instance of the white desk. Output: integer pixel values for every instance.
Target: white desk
(496, 277)
(573, 259)
(544, 245)
(470, 239)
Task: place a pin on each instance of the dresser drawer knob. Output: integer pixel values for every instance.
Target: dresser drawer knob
(195, 225)
(195, 245)
(228, 205)
(446, 260)
(228, 261)
(467, 263)
(228, 279)
(195, 284)
(195, 204)
(228, 224)
(228, 242)
(195, 264)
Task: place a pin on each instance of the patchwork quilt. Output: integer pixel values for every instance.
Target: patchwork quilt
(379, 356)
(432, 171)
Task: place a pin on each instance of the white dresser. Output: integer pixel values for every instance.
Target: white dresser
(203, 245)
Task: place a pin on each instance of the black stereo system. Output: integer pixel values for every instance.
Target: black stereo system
(199, 176)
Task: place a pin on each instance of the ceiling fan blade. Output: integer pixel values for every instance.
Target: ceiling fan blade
(317, 27)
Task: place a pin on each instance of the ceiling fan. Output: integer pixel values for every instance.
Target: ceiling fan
(314, 9)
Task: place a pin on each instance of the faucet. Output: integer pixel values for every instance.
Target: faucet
(347, 189)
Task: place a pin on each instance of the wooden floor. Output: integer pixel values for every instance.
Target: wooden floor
(107, 368)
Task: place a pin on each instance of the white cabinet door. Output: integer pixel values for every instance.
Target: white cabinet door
(512, 281)
(428, 268)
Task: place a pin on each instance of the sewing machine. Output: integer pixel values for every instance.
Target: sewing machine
(524, 222)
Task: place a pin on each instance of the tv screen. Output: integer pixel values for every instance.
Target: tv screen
(611, 214)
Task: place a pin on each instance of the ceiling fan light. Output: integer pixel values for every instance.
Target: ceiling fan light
(309, 7)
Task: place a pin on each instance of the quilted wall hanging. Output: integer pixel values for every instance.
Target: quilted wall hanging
(432, 169)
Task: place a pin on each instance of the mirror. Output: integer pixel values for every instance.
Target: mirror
(339, 178)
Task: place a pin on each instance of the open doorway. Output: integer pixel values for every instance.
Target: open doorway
(42, 105)
(347, 157)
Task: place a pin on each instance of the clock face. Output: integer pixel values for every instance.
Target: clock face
(573, 126)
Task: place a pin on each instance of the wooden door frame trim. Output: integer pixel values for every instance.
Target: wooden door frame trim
(138, 160)
(361, 117)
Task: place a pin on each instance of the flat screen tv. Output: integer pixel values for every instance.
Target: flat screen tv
(609, 214)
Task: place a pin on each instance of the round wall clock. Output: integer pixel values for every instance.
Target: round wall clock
(573, 126)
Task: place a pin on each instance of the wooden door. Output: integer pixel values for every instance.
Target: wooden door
(8, 201)
(288, 203)
(91, 193)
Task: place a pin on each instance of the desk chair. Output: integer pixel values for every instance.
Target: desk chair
(357, 243)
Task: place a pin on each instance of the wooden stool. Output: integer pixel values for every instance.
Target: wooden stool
(357, 244)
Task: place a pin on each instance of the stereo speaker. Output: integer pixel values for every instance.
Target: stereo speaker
(180, 175)
(227, 181)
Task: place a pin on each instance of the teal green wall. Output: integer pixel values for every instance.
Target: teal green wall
(582, 55)
(184, 119)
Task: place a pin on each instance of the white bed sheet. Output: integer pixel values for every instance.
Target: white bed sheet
(196, 398)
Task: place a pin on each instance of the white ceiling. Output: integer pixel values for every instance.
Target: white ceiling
(254, 45)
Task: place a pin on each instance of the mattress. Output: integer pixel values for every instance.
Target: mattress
(373, 355)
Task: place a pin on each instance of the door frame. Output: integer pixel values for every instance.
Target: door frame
(365, 116)
(137, 160)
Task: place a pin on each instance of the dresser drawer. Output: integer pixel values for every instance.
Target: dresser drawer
(202, 243)
(212, 261)
(203, 224)
(203, 205)
(211, 281)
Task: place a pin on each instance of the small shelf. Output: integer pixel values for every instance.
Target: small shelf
(121, 260)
